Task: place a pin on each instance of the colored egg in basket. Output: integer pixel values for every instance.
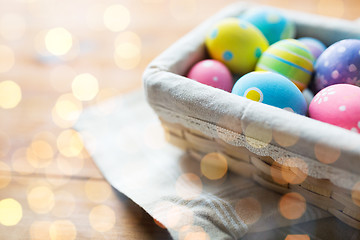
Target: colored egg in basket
(338, 105)
(289, 58)
(339, 63)
(212, 73)
(315, 46)
(272, 23)
(272, 89)
(236, 43)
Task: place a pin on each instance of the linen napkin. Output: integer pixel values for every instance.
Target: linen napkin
(127, 143)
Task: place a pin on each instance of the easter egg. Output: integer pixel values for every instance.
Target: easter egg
(338, 105)
(212, 73)
(272, 89)
(290, 58)
(315, 46)
(339, 63)
(237, 44)
(272, 23)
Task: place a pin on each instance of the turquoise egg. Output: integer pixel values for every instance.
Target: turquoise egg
(272, 23)
(272, 89)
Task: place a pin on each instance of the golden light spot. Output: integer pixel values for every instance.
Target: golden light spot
(10, 212)
(128, 37)
(174, 216)
(292, 205)
(41, 199)
(326, 154)
(103, 95)
(297, 237)
(20, 163)
(102, 218)
(97, 191)
(61, 78)
(294, 170)
(7, 59)
(214, 165)
(276, 174)
(10, 93)
(85, 87)
(12, 26)
(192, 232)
(66, 111)
(5, 175)
(249, 210)
(34, 160)
(284, 139)
(58, 41)
(188, 186)
(257, 136)
(62, 229)
(116, 18)
(42, 149)
(64, 204)
(183, 9)
(70, 143)
(70, 165)
(154, 136)
(40, 230)
(355, 194)
(127, 50)
(4, 145)
(333, 8)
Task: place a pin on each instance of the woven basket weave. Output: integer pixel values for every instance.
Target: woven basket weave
(203, 120)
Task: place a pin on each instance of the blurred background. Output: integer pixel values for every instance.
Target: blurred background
(56, 59)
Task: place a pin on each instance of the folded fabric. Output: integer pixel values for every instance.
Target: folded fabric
(129, 147)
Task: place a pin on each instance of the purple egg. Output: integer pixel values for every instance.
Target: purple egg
(339, 63)
(316, 46)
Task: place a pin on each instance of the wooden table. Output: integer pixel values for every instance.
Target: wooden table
(49, 186)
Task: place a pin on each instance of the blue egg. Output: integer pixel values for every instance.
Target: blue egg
(272, 89)
(272, 23)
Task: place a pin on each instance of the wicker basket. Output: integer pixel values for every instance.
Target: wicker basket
(279, 150)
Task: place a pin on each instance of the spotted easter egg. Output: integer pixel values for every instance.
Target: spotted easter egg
(338, 105)
(339, 63)
(290, 58)
(237, 44)
(271, 22)
(212, 73)
(272, 89)
(315, 46)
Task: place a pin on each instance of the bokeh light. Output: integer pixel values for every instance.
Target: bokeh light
(102, 218)
(12, 26)
(85, 87)
(285, 139)
(10, 212)
(58, 41)
(70, 143)
(62, 229)
(66, 111)
(97, 191)
(64, 204)
(193, 232)
(7, 59)
(20, 161)
(61, 78)
(40, 230)
(297, 237)
(294, 170)
(326, 154)
(292, 205)
(174, 216)
(5, 175)
(249, 210)
(42, 149)
(355, 194)
(10, 93)
(127, 50)
(41, 199)
(214, 165)
(116, 18)
(188, 186)
(70, 165)
(263, 135)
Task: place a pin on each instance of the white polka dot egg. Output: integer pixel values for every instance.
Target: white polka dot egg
(338, 105)
(271, 89)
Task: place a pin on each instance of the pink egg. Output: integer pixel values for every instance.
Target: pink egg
(339, 105)
(212, 73)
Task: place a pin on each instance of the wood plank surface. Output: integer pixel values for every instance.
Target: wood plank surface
(44, 169)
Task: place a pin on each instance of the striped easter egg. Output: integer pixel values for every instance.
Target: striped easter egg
(290, 58)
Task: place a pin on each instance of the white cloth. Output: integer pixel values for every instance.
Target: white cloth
(180, 100)
(129, 148)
